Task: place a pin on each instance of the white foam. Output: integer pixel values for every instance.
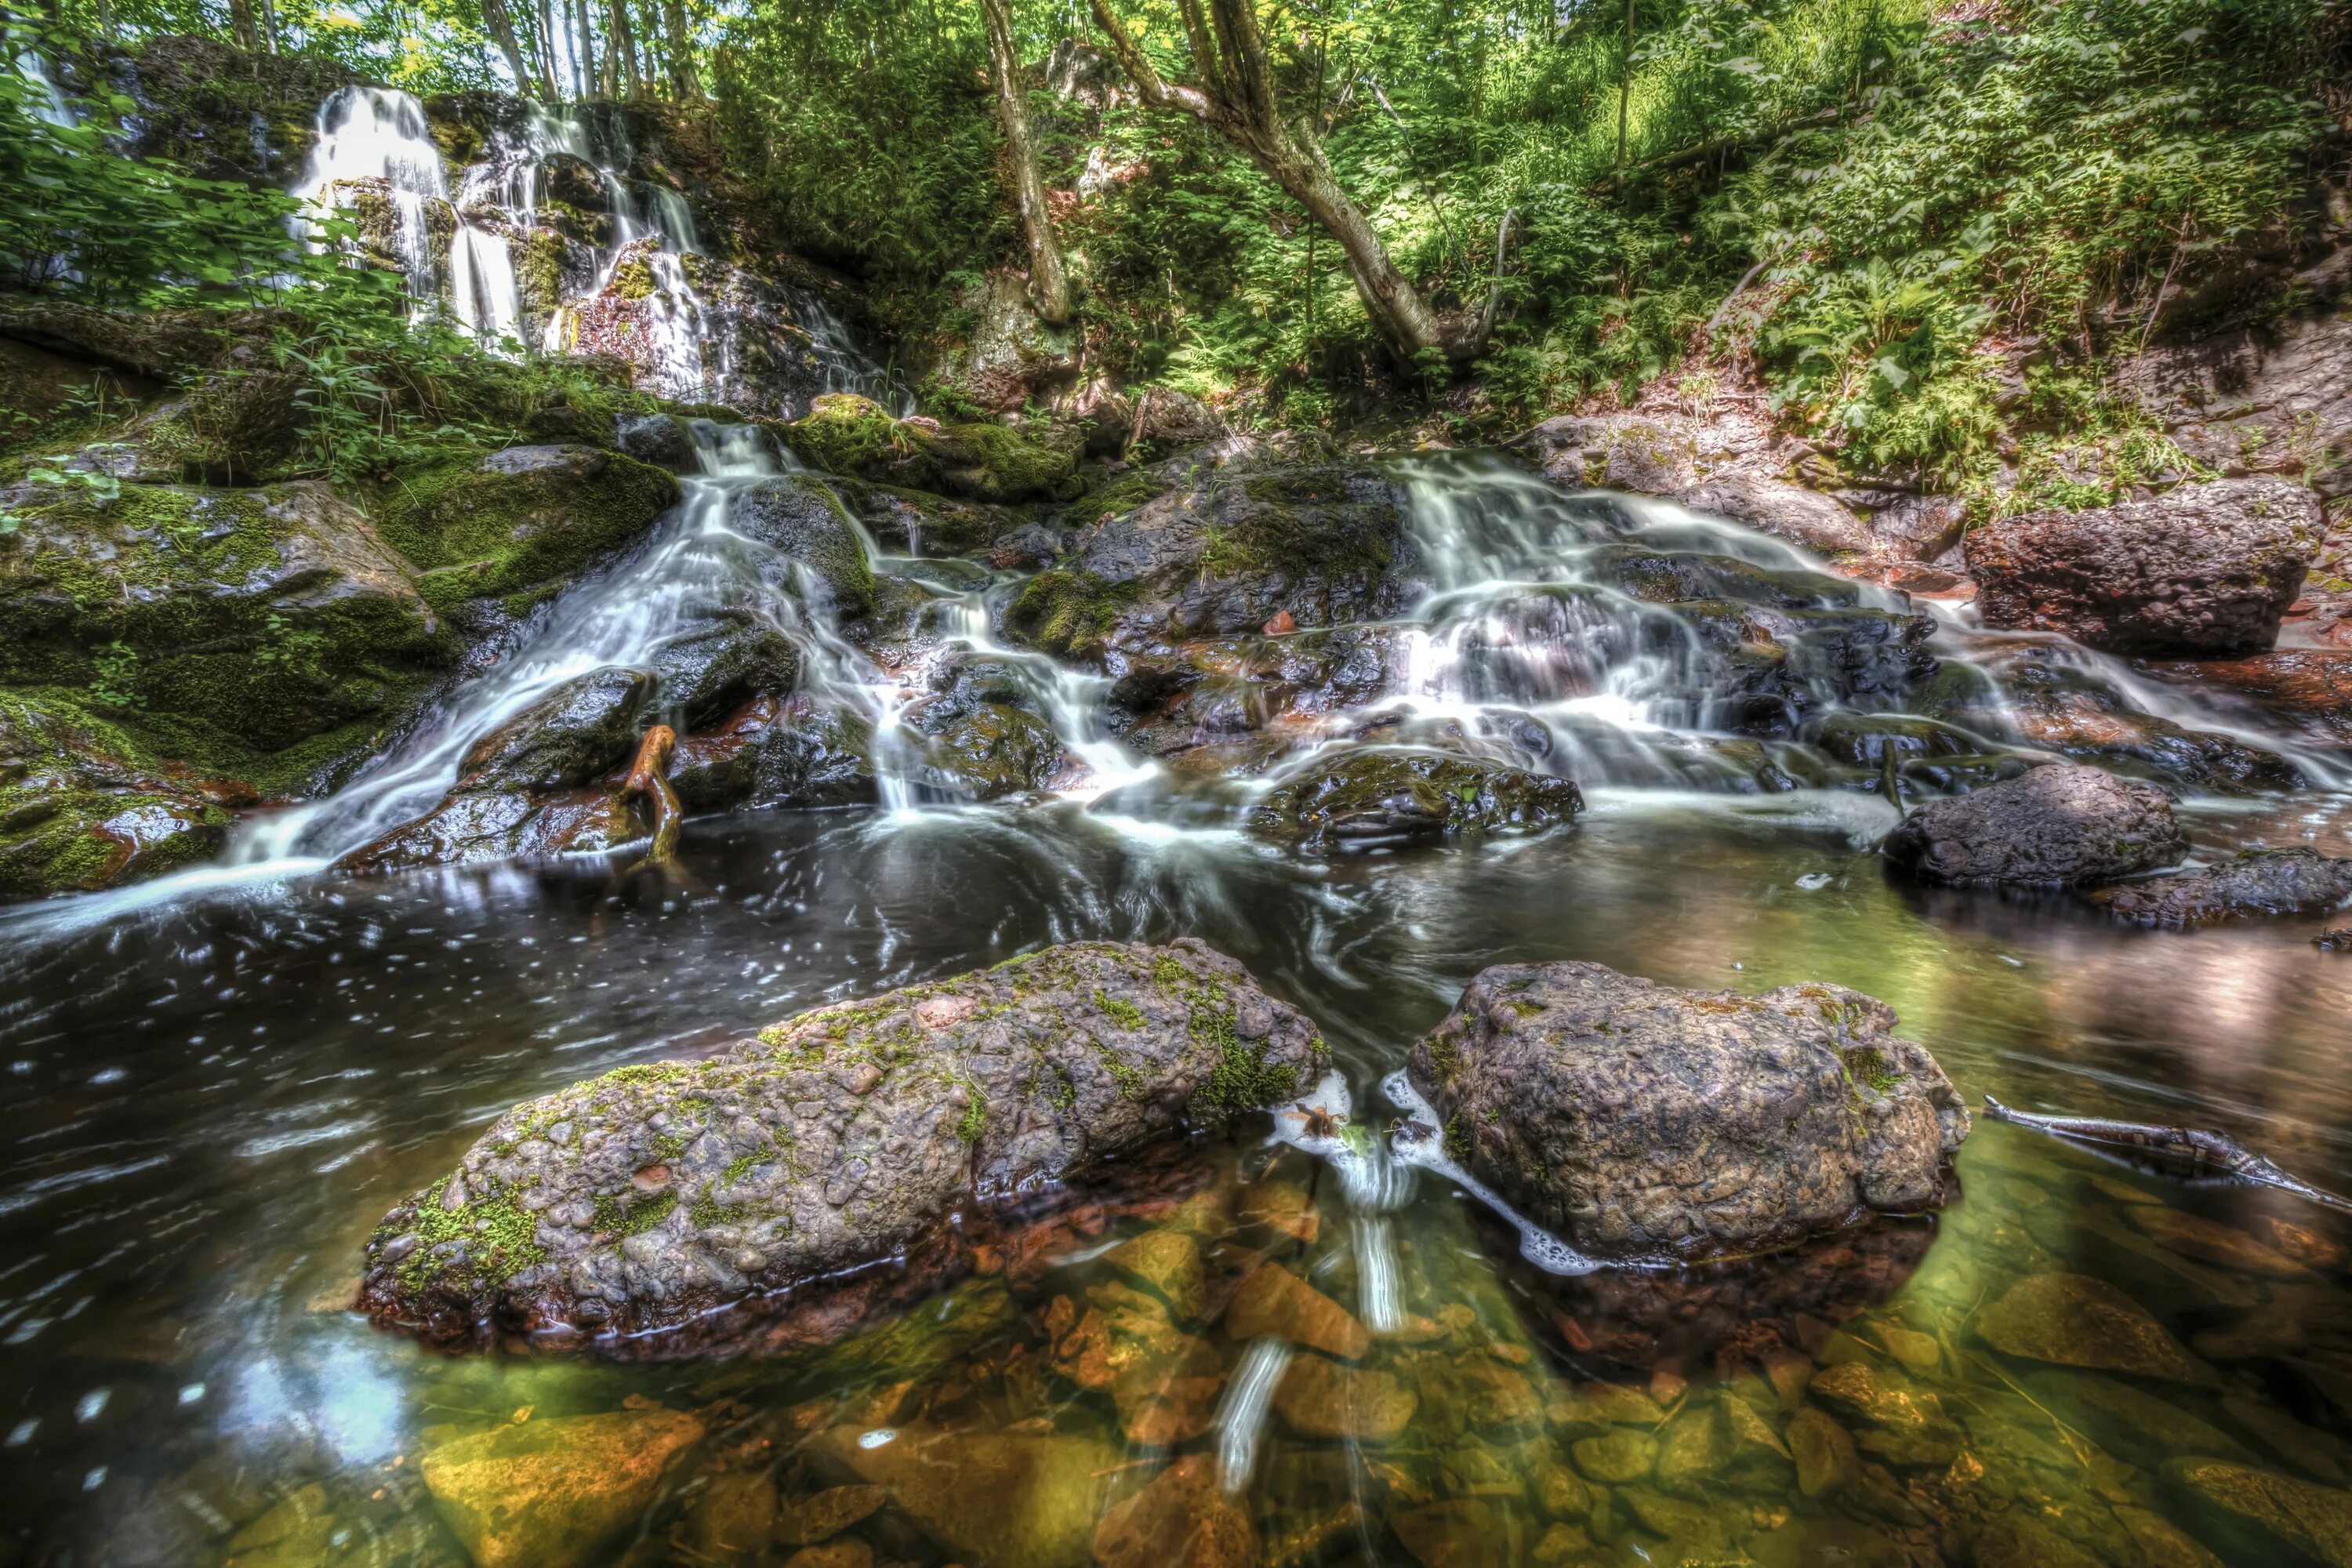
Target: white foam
(1241, 1414)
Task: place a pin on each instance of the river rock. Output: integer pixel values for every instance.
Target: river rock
(1181, 1518)
(662, 439)
(716, 666)
(804, 1521)
(1321, 1398)
(549, 1493)
(2307, 690)
(2295, 882)
(987, 1496)
(1204, 547)
(2204, 570)
(1806, 517)
(637, 1200)
(2073, 1319)
(2061, 824)
(582, 729)
(1364, 798)
(2313, 1520)
(801, 519)
(1635, 1119)
(1275, 1303)
(1823, 1452)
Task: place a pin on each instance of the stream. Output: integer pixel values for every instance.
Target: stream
(220, 1081)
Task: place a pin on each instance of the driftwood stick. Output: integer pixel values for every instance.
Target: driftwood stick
(647, 779)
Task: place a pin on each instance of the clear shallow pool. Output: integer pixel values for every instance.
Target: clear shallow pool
(213, 1100)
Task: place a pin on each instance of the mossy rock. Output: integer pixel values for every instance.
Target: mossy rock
(801, 518)
(518, 524)
(1069, 615)
(855, 438)
(83, 807)
(262, 634)
(1379, 797)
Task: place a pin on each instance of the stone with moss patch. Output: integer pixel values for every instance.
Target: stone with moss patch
(645, 1198)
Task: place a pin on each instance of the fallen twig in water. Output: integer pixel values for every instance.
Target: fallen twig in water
(2187, 1153)
(646, 778)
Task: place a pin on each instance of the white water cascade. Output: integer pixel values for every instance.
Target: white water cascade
(368, 134)
(50, 103)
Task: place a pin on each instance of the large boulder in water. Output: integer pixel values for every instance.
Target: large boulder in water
(800, 517)
(1635, 1119)
(2298, 880)
(1368, 797)
(2201, 571)
(843, 1137)
(2057, 825)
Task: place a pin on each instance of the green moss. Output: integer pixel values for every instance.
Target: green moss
(1013, 464)
(975, 1114)
(480, 533)
(1241, 1080)
(1067, 614)
(846, 433)
(1167, 973)
(1125, 494)
(1119, 1010)
(1445, 1055)
(1457, 1143)
(624, 1218)
(1869, 1065)
(1065, 1092)
(501, 1240)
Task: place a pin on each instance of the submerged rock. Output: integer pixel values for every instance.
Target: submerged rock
(2059, 824)
(1380, 796)
(2313, 1519)
(2073, 1319)
(1635, 1119)
(1032, 1498)
(1181, 1518)
(2202, 570)
(637, 1200)
(548, 1493)
(2299, 880)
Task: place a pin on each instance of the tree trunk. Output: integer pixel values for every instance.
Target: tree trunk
(584, 51)
(621, 50)
(1049, 281)
(548, 87)
(684, 83)
(1236, 99)
(496, 18)
(240, 23)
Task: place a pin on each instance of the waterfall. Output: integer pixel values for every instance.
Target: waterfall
(49, 104)
(369, 133)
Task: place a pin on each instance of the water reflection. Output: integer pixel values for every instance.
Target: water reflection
(212, 1103)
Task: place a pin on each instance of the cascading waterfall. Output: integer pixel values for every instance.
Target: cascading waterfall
(50, 103)
(368, 134)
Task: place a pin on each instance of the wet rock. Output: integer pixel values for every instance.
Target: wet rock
(800, 518)
(1618, 452)
(2130, 1421)
(2060, 711)
(988, 1497)
(582, 729)
(661, 439)
(1365, 796)
(1210, 548)
(1561, 1492)
(917, 522)
(1464, 1532)
(1275, 1303)
(1822, 1451)
(2299, 880)
(1898, 1425)
(2266, 399)
(800, 751)
(987, 751)
(2306, 691)
(2316, 1520)
(498, 534)
(709, 671)
(477, 826)
(1620, 1455)
(850, 1554)
(853, 436)
(1678, 576)
(2224, 1245)
(1167, 1262)
(1010, 358)
(804, 1521)
(2061, 824)
(2010, 1543)
(1321, 1398)
(1805, 517)
(551, 1492)
(1181, 1518)
(1631, 1118)
(2203, 569)
(824, 1144)
(733, 1517)
(2073, 1320)
(1863, 740)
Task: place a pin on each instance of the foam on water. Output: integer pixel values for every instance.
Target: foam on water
(1417, 1142)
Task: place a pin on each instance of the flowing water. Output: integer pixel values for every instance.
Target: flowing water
(217, 1089)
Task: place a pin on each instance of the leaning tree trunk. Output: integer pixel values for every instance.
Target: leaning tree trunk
(684, 83)
(1236, 99)
(240, 25)
(1049, 281)
(549, 88)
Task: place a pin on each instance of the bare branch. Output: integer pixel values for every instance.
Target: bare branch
(1149, 84)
